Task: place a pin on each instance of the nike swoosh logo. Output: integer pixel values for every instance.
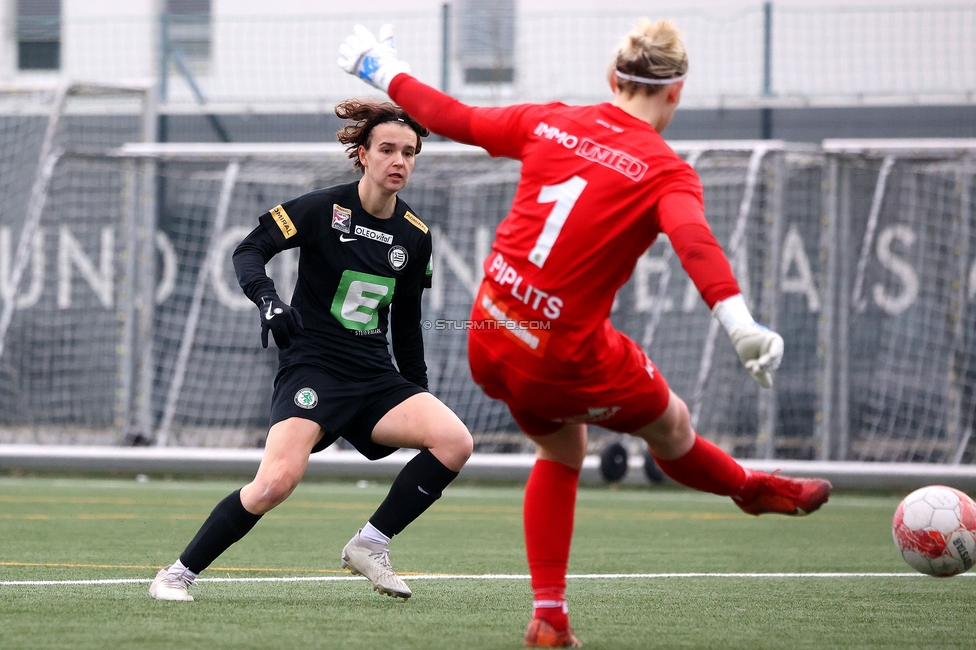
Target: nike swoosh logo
(269, 315)
(343, 238)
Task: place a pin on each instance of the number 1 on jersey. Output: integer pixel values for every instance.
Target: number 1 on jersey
(564, 195)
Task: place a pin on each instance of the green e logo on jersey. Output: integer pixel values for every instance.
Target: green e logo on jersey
(359, 297)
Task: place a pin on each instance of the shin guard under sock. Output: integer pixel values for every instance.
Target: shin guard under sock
(416, 487)
(227, 524)
(707, 468)
(550, 505)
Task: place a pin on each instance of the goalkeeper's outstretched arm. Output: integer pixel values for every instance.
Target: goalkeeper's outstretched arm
(440, 113)
(375, 61)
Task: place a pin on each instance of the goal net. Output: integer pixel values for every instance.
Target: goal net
(60, 229)
(859, 253)
(903, 365)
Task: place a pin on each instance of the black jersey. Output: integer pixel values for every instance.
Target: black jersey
(356, 273)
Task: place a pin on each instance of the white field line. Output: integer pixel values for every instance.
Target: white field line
(486, 576)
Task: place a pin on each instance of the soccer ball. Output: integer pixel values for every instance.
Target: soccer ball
(935, 530)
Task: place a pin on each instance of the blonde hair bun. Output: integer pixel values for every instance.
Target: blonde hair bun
(652, 50)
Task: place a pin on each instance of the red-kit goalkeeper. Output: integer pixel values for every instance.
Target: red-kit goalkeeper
(598, 185)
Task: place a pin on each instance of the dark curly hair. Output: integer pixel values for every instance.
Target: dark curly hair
(365, 114)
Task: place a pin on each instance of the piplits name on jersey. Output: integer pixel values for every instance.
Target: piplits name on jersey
(618, 161)
(505, 274)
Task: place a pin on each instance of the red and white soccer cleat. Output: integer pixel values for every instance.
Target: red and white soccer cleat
(541, 634)
(783, 495)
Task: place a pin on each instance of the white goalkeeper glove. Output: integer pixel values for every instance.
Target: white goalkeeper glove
(759, 348)
(375, 62)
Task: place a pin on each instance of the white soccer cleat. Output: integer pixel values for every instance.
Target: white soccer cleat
(171, 585)
(365, 558)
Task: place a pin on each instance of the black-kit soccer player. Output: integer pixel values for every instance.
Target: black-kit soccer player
(365, 259)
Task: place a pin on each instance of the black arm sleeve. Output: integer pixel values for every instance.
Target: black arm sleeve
(406, 330)
(250, 258)
(408, 338)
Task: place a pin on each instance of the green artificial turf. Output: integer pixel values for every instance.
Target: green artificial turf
(78, 530)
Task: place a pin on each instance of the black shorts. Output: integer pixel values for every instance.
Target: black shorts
(344, 409)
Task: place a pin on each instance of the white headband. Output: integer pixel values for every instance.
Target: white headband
(650, 80)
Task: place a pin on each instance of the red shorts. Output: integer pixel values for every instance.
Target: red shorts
(623, 394)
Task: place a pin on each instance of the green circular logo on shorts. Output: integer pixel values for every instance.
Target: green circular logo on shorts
(306, 398)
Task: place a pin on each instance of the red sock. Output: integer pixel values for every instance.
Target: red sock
(550, 503)
(707, 468)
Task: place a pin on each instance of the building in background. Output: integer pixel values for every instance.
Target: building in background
(791, 69)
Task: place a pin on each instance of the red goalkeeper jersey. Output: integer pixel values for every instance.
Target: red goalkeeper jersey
(597, 187)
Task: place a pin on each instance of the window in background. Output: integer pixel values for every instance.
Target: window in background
(188, 33)
(486, 40)
(38, 34)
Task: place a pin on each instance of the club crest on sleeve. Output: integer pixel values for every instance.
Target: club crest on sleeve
(398, 257)
(341, 218)
(306, 398)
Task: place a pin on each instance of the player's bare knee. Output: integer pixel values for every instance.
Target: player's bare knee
(680, 425)
(571, 458)
(671, 432)
(274, 495)
(271, 492)
(461, 448)
(463, 443)
(566, 446)
(453, 444)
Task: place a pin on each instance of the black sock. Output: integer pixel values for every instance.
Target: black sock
(227, 524)
(416, 487)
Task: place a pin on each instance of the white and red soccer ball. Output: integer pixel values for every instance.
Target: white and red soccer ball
(935, 530)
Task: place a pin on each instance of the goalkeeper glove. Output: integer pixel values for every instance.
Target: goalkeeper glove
(375, 62)
(281, 319)
(760, 349)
